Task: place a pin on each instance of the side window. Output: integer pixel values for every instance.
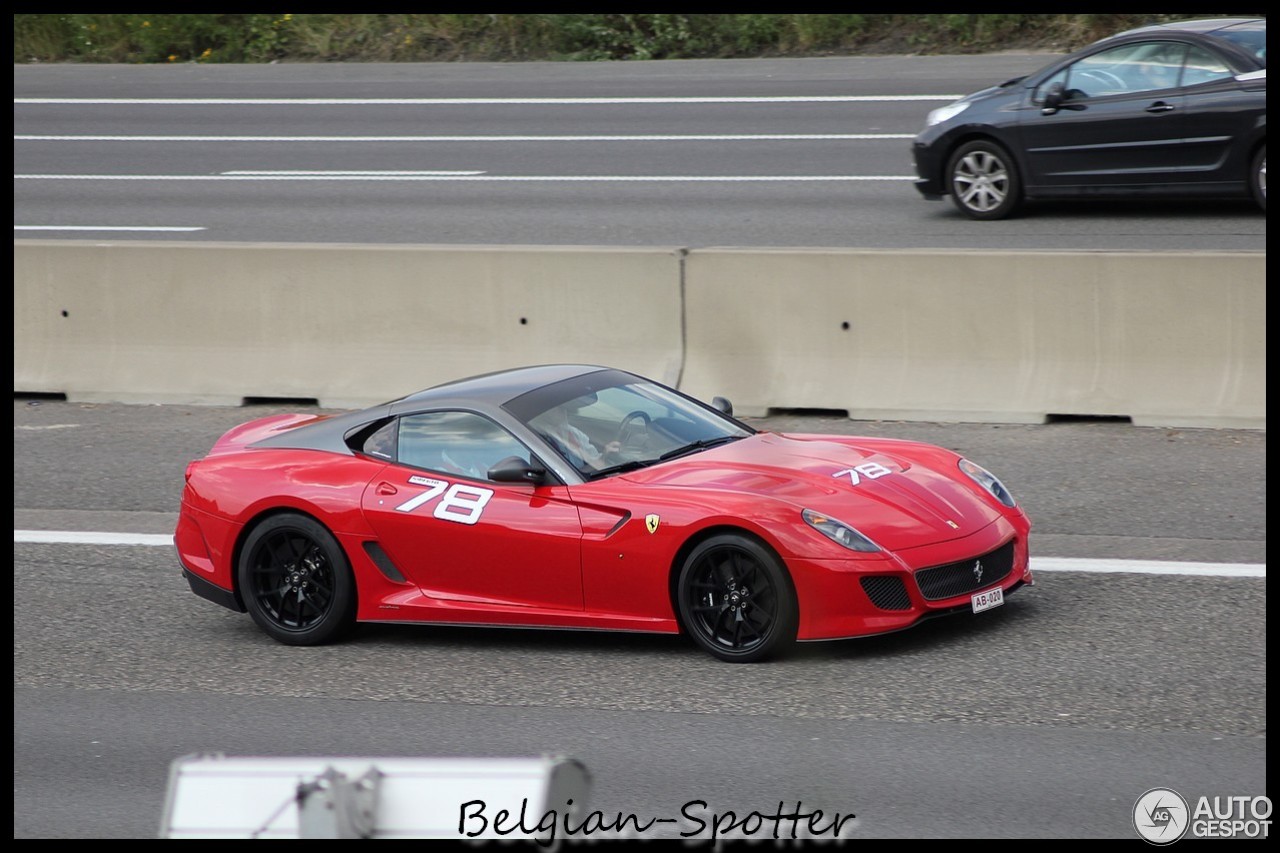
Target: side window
(1141, 67)
(1160, 67)
(462, 444)
(1203, 67)
(1059, 77)
(382, 443)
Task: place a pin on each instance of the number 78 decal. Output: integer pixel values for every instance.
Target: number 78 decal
(461, 503)
(870, 470)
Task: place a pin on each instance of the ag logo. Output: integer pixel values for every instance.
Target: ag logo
(651, 522)
(1161, 816)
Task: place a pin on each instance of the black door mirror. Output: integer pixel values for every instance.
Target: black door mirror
(722, 404)
(1053, 97)
(513, 469)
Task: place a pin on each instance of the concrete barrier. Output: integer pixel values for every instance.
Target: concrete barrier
(1015, 337)
(1164, 339)
(346, 325)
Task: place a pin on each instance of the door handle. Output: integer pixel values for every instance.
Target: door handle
(387, 489)
(1160, 107)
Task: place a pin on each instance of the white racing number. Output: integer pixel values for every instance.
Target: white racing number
(870, 470)
(460, 502)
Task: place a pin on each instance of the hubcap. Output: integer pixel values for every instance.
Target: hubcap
(981, 181)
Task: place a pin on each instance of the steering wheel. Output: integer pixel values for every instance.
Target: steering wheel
(633, 429)
(1112, 82)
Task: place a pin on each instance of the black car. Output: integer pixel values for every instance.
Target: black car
(1176, 109)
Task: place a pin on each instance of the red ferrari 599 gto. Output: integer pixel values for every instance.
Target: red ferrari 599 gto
(574, 496)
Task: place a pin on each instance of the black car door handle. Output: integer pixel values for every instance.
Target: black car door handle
(1160, 107)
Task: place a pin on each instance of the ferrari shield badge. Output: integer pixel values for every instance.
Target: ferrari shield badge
(651, 521)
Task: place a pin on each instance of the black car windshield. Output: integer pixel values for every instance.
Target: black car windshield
(610, 422)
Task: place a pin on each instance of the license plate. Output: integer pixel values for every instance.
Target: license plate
(987, 600)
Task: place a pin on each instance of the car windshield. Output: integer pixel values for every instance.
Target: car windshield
(609, 421)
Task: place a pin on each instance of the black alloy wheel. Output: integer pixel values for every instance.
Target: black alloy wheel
(295, 581)
(736, 600)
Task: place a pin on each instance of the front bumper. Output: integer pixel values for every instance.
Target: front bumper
(928, 171)
(857, 598)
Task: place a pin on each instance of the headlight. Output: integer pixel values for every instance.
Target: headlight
(943, 113)
(839, 532)
(988, 481)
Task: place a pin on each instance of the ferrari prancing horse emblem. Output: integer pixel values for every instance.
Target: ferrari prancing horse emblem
(651, 522)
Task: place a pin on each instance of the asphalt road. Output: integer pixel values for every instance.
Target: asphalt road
(782, 152)
(1047, 717)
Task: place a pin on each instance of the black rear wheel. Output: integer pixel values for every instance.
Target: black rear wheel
(295, 581)
(1258, 177)
(736, 600)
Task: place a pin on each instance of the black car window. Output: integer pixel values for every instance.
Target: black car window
(1203, 67)
(1138, 67)
(1250, 36)
(381, 442)
(1059, 77)
(462, 444)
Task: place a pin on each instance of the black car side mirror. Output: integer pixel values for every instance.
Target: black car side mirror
(1053, 98)
(513, 469)
(722, 404)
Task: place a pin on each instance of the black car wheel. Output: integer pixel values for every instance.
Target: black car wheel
(736, 600)
(295, 581)
(1258, 177)
(983, 181)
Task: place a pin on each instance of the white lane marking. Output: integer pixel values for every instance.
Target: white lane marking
(377, 102)
(347, 176)
(77, 537)
(357, 173)
(48, 426)
(692, 137)
(1149, 567)
(104, 228)
(1038, 564)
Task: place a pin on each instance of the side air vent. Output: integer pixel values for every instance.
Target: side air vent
(383, 562)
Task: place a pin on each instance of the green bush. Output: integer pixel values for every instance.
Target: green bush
(462, 37)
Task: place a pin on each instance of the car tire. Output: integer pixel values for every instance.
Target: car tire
(983, 181)
(296, 582)
(1258, 177)
(736, 599)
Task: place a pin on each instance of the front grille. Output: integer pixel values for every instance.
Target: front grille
(963, 577)
(887, 592)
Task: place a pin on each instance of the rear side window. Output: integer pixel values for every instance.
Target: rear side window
(1251, 37)
(1203, 67)
(462, 444)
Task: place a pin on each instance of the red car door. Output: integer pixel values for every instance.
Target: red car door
(463, 538)
(478, 542)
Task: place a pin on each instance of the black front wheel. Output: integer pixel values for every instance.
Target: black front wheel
(1258, 178)
(736, 599)
(983, 181)
(295, 581)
